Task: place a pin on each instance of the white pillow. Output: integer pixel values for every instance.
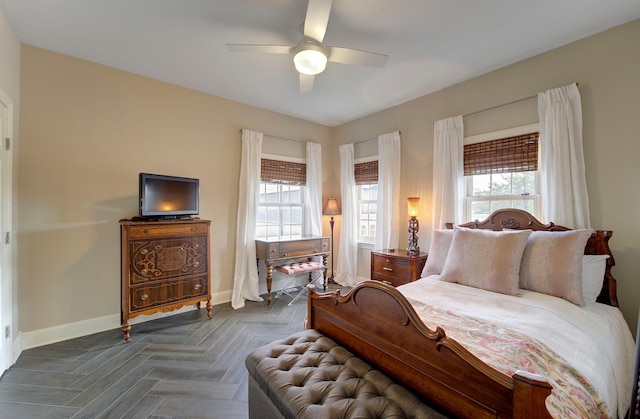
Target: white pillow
(440, 244)
(552, 263)
(593, 268)
(486, 259)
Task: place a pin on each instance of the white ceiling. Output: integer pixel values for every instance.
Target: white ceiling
(431, 43)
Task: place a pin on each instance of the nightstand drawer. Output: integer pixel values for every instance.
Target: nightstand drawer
(383, 265)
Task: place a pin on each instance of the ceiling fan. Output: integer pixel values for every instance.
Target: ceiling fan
(310, 55)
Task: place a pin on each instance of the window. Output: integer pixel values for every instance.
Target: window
(280, 212)
(366, 177)
(502, 173)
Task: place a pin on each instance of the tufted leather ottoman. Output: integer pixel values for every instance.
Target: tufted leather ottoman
(310, 376)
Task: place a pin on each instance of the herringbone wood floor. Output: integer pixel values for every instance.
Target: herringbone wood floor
(179, 366)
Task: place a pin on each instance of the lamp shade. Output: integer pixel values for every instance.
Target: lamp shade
(332, 207)
(413, 206)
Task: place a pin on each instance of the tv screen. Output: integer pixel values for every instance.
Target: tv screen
(168, 196)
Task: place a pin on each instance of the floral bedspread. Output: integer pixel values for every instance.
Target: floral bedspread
(508, 351)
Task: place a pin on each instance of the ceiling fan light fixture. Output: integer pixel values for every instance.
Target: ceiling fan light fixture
(310, 60)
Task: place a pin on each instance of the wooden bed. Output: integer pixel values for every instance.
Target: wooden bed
(376, 322)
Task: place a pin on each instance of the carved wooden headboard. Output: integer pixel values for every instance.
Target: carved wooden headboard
(598, 243)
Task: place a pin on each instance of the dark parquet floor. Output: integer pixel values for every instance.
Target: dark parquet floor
(181, 366)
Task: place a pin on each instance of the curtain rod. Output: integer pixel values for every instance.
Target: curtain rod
(281, 138)
(513, 102)
(302, 141)
(371, 139)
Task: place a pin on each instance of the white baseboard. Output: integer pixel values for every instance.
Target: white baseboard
(36, 338)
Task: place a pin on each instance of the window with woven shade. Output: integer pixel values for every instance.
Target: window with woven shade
(280, 211)
(366, 178)
(502, 173)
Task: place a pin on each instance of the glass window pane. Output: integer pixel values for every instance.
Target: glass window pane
(285, 215)
(374, 192)
(481, 185)
(372, 210)
(271, 193)
(496, 205)
(364, 192)
(480, 210)
(273, 231)
(295, 194)
(261, 215)
(372, 229)
(261, 193)
(501, 184)
(296, 215)
(272, 215)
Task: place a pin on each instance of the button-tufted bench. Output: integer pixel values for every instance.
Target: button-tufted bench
(308, 375)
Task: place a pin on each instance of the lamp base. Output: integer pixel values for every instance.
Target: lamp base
(413, 248)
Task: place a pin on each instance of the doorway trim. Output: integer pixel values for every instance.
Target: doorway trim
(8, 326)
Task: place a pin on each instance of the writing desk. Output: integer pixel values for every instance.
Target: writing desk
(280, 251)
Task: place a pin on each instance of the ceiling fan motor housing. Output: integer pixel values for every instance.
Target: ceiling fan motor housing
(310, 57)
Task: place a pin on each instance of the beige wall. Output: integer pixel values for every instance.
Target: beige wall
(607, 68)
(87, 131)
(10, 84)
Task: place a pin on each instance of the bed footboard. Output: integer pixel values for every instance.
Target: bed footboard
(378, 324)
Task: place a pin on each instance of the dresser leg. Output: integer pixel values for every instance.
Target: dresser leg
(209, 306)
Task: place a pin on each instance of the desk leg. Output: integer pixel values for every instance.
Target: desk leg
(324, 262)
(269, 281)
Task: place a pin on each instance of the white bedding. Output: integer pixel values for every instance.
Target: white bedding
(594, 339)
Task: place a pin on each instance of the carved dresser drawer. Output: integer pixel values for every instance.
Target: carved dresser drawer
(168, 292)
(152, 260)
(396, 267)
(165, 266)
(173, 229)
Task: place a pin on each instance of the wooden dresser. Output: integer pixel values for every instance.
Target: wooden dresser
(395, 267)
(165, 266)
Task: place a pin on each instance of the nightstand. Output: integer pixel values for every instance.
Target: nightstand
(395, 267)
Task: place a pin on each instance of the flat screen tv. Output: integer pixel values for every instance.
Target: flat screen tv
(167, 197)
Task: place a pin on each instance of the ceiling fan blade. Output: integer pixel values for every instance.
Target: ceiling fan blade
(269, 49)
(357, 57)
(315, 23)
(306, 83)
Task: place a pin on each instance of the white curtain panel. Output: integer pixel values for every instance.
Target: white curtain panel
(388, 215)
(562, 172)
(245, 280)
(347, 263)
(448, 175)
(313, 191)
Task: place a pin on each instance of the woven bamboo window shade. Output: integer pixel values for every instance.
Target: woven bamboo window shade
(366, 173)
(506, 155)
(283, 172)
